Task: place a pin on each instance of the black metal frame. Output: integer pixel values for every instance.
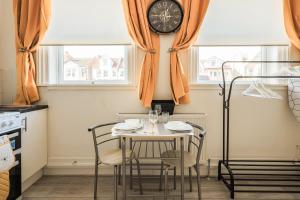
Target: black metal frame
(254, 173)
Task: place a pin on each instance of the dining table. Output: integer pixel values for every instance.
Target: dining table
(158, 133)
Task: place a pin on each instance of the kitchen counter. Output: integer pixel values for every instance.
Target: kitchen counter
(21, 108)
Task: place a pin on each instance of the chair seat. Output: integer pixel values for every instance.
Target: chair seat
(114, 156)
(189, 158)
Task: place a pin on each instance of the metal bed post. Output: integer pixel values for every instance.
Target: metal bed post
(255, 169)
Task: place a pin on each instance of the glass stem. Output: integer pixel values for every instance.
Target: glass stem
(152, 128)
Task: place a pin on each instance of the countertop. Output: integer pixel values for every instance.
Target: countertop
(21, 108)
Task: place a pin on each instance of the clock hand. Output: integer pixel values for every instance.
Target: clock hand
(165, 17)
(169, 7)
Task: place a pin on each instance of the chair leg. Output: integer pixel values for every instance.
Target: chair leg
(174, 178)
(161, 175)
(190, 179)
(130, 175)
(130, 167)
(197, 168)
(166, 183)
(119, 175)
(115, 182)
(96, 180)
(139, 175)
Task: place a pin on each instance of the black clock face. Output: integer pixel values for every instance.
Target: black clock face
(165, 16)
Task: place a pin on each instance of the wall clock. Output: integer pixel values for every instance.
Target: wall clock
(165, 16)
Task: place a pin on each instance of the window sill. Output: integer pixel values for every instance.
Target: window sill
(89, 87)
(239, 86)
(203, 86)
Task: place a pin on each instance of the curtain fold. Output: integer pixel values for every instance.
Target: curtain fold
(31, 22)
(135, 12)
(291, 10)
(194, 13)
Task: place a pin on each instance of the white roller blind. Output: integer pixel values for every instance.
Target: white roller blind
(226, 22)
(87, 21)
(243, 22)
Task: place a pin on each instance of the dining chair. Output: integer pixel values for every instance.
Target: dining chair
(110, 157)
(169, 159)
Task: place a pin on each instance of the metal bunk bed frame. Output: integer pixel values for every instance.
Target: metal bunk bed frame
(254, 173)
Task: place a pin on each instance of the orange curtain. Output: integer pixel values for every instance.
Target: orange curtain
(194, 13)
(292, 21)
(136, 18)
(291, 10)
(31, 22)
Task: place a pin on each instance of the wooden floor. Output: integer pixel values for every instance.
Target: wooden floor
(81, 188)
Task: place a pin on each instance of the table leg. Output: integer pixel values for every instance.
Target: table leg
(130, 162)
(182, 167)
(124, 167)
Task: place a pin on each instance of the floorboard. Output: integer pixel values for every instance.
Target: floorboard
(81, 188)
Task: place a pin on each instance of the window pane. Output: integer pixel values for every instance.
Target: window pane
(211, 58)
(94, 63)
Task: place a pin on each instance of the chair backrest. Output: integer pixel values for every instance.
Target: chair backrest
(197, 140)
(101, 135)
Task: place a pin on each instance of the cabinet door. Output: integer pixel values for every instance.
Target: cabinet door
(34, 143)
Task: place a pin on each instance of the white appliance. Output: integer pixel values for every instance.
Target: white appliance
(10, 125)
(10, 121)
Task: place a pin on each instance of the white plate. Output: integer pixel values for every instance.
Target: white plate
(178, 126)
(132, 121)
(127, 126)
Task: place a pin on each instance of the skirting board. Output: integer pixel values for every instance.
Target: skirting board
(30, 181)
(85, 166)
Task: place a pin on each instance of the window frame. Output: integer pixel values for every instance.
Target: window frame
(42, 60)
(193, 63)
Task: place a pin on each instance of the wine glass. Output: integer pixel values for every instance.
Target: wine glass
(165, 117)
(158, 108)
(153, 117)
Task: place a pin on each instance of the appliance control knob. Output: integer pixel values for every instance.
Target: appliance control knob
(3, 124)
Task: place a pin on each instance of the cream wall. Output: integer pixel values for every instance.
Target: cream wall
(260, 128)
(1, 41)
(7, 49)
(1, 47)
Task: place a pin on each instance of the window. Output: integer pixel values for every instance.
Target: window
(85, 64)
(207, 61)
